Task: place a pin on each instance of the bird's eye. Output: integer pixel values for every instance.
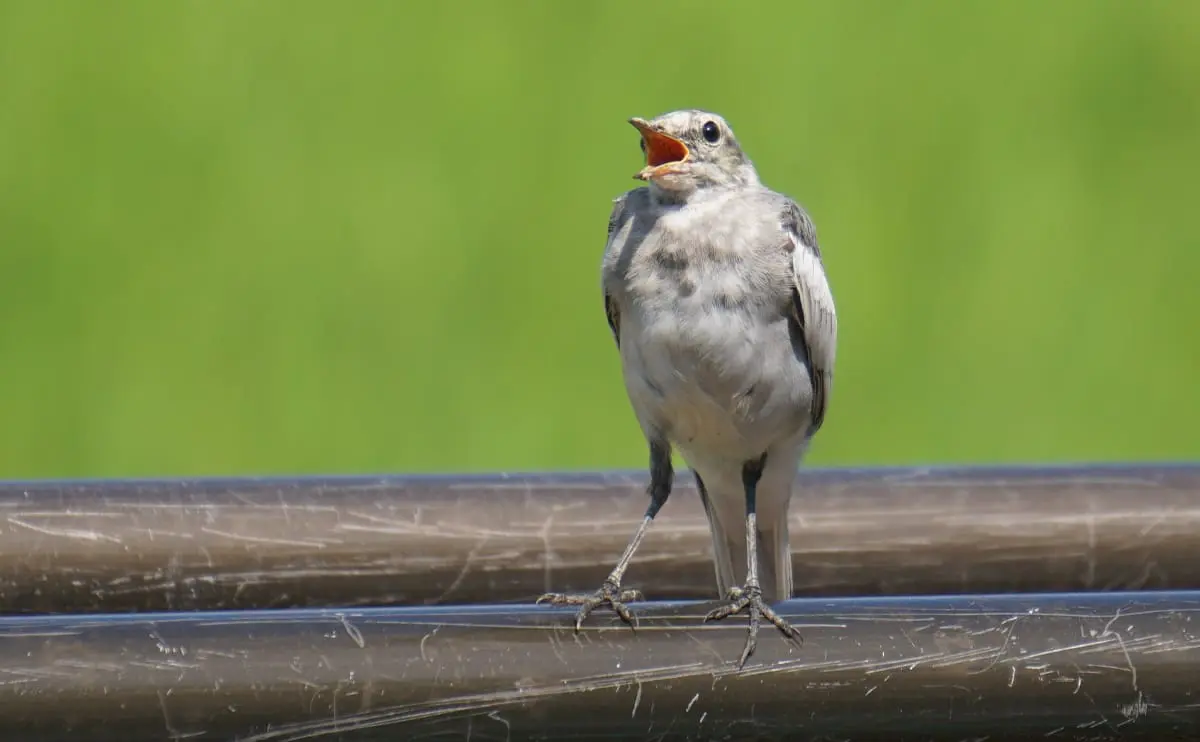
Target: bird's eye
(711, 132)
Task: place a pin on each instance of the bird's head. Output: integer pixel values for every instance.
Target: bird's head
(690, 150)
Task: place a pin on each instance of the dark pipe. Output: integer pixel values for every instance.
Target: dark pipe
(253, 543)
(1096, 666)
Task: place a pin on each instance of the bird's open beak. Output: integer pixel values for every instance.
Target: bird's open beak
(662, 150)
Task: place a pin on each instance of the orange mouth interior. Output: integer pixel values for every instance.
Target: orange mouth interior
(662, 149)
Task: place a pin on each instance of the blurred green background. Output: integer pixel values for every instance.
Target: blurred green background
(297, 237)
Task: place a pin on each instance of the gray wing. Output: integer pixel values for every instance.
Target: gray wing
(812, 305)
(615, 220)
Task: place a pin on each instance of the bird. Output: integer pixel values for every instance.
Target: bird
(717, 297)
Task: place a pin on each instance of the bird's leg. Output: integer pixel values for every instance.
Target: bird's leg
(749, 598)
(610, 593)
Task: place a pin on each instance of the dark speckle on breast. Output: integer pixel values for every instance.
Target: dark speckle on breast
(724, 300)
(671, 260)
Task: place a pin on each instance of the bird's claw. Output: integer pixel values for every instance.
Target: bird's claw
(610, 594)
(749, 600)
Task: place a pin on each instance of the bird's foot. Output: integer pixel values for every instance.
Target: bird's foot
(609, 594)
(749, 600)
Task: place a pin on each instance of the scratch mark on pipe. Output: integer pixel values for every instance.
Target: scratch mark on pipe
(75, 533)
(495, 715)
(1134, 711)
(172, 732)
(352, 631)
(37, 634)
(1121, 641)
(265, 540)
(555, 646)
(472, 555)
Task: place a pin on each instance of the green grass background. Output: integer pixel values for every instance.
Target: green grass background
(291, 237)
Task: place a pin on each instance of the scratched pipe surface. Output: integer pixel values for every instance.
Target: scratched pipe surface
(1084, 666)
(119, 546)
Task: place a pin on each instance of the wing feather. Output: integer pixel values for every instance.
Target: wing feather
(611, 310)
(812, 306)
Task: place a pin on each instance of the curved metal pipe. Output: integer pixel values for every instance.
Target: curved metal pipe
(255, 543)
(1098, 666)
